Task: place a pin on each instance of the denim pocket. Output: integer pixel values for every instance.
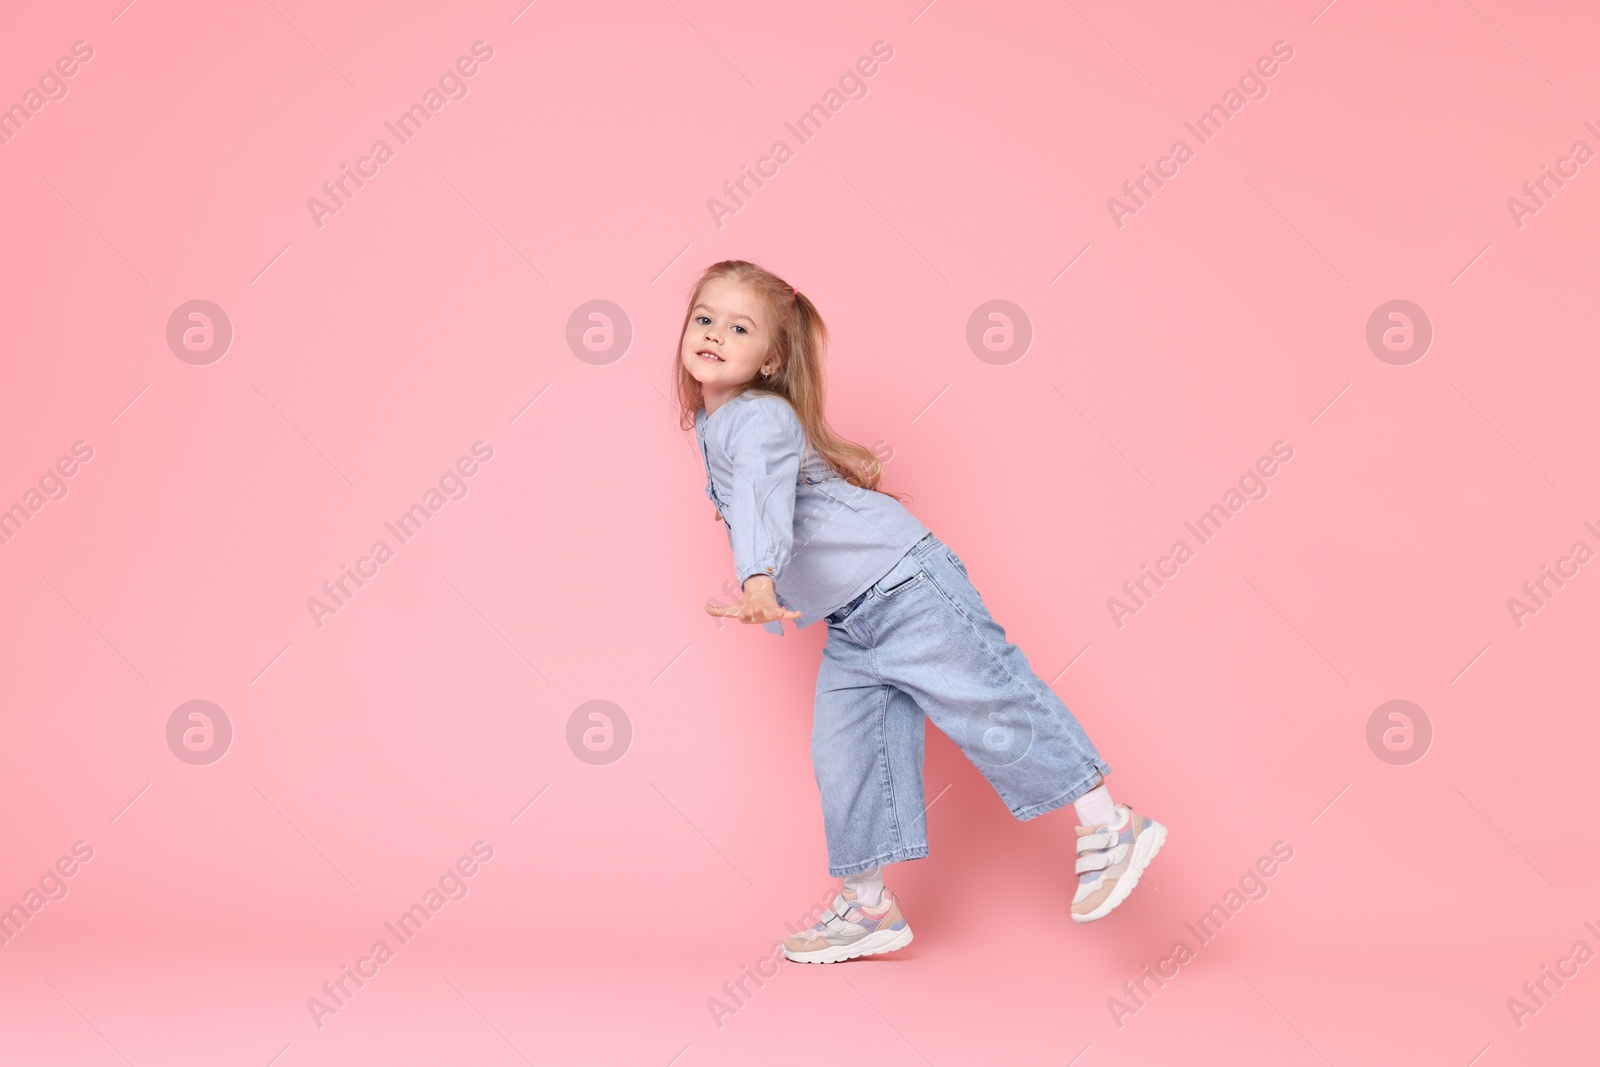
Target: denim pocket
(896, 587)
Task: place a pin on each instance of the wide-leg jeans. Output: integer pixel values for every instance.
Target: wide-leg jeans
(920, 642)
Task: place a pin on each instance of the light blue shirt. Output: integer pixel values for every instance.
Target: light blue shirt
(791, 516)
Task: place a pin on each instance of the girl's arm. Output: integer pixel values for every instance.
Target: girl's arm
(764, 446)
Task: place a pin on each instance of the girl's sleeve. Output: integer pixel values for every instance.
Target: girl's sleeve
(765, 445)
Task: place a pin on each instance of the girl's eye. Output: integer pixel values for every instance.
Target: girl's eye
(704, 319)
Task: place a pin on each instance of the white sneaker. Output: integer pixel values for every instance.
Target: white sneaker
(1110, 860)
(849, 929)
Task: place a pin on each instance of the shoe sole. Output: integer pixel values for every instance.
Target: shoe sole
(873, 944)
(1155, 836)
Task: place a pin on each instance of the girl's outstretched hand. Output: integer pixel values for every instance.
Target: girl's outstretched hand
(759, 606)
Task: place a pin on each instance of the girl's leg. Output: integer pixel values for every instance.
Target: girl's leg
(867, 885)
(932, 637)
(867, 742)
(866, 752)
(1096, 808)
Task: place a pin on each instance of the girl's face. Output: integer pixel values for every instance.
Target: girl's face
(725, 344)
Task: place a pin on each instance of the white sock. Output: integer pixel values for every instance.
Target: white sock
(868, 885)
(1096, 808)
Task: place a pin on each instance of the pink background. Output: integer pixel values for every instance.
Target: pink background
(368, 355)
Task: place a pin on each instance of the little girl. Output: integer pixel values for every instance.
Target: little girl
(908, 635)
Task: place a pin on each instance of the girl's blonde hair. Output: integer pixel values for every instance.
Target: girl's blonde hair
(799, 339)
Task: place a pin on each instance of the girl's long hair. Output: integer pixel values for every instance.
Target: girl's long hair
(799, 341)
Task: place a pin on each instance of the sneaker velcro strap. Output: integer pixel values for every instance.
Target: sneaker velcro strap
(1095, 861)
(839, 911)
(1096, 841)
